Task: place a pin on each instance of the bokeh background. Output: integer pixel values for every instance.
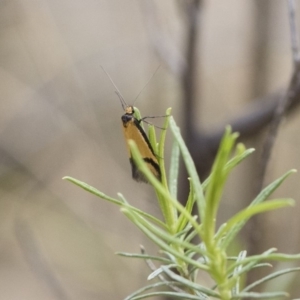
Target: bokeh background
(60, 116)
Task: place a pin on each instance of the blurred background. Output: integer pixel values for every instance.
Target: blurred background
(60, 116)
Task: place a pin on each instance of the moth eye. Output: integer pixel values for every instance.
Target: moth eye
(126, 118)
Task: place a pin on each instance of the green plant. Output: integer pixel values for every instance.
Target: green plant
(180, 258)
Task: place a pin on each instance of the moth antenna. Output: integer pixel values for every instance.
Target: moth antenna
(146, 85)
(122, 100)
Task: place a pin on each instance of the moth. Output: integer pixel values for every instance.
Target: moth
(133, 130)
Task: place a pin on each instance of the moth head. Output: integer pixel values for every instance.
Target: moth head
(129, 110)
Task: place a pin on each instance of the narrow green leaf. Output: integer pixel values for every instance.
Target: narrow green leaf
(216, 186)
(174, 295)
(231, 164)
(138, 116)
(151, 286)
(192, 234)
(262, 196)
(263, 265)
(92, 190)
(182, 233)
(283, 257)
(101, 195)
(236, 289)
(155, 273)
(168, 211)
(152, 138)
(174, 169)
(183, 220)
(161, 149)
(164, 246)
(270, 277)
(261, 295)
(168, 204)
(190, 284)
(190, 166)
(170, 238)
(250, 211)
(145, 257)
(239, 157)
(248, 263)
(267, 191)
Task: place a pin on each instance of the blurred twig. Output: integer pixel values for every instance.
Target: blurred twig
(189, 74)
(203, 146)
(153, 268)
(256, 118)
(285, 101)
(294, 32)
(283, 106)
